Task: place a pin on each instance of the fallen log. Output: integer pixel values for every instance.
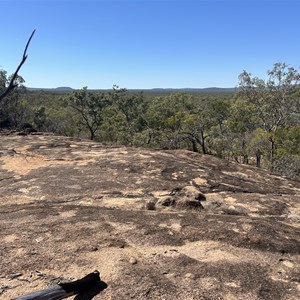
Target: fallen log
(84, 289)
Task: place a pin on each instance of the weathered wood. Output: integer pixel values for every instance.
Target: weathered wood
(12, 84)
(85, 288)
(53, 293)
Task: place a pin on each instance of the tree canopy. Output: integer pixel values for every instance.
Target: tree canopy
(259, 124)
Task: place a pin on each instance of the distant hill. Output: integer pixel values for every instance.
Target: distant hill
(195, 90)
(58, 89)
(64, 88)
(154, 90)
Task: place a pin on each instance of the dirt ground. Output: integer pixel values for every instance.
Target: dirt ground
(156, 224)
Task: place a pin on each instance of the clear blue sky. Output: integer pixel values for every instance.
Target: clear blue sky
(147, 44)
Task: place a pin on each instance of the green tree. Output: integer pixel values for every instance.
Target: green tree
(287, 160)
(219, 141)
(166, 118)
(90, 107)
(242, 121)
(14, 109)
(288, 140)
(198, 123)
(3, 81)
(127, 112)
(276, 99)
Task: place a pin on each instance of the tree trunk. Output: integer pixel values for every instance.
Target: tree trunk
(203, 145)
(245, 155)
(258, 158)
(92, 135)
(272, 150)
(194, 144)
(245, 159)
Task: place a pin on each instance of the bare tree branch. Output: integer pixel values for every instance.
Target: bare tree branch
(12, 84)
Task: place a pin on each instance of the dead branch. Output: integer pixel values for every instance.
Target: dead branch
(12, 84)
(84, 289)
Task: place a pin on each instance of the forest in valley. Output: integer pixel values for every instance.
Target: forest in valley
(257, 124)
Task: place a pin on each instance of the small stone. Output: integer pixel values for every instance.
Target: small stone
(189, 204)
(133, 261)
(166, 201)
(189, 276)
(150, 205)
(288, 264)
(200, 197)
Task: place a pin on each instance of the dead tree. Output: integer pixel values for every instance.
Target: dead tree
(12, 85)
(84, 289)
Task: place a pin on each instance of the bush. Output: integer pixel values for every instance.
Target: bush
(287, 165)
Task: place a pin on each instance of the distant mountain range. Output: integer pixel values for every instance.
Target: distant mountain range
(154, 90)
(196, 90)
(58, 89)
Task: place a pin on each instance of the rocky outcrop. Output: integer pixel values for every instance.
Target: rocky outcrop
(156, 224)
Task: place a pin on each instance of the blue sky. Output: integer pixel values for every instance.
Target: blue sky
(147, 43)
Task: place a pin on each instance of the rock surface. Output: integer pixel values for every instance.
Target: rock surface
(71, 206)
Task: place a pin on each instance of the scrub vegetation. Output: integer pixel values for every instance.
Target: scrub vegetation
(258, 123)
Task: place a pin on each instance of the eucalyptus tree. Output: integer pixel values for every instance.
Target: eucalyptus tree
(242, 122)
(198, 123)
(127, 113)
(90, 107)
(167, 117)
(276, 100)
(14, 108)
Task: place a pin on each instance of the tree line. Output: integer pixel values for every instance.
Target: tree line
(259, 124)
